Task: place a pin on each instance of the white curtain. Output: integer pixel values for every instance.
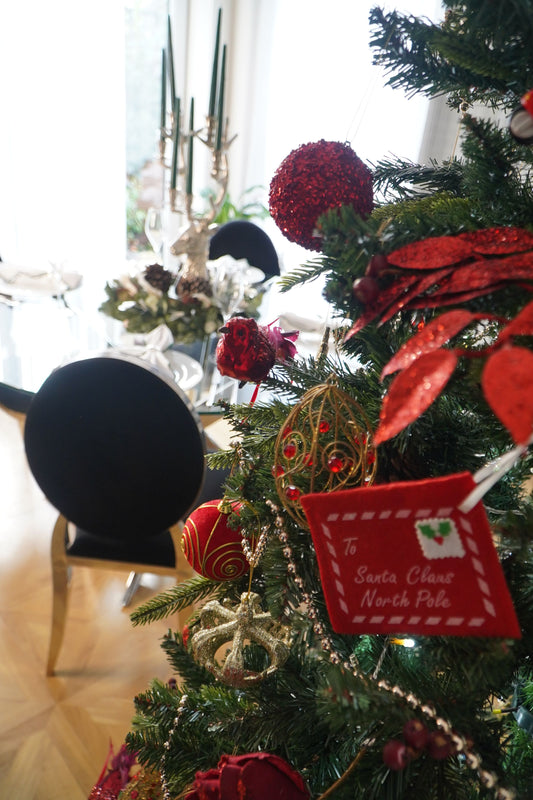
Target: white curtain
(314, 79)
(62, 157)
(298, 71)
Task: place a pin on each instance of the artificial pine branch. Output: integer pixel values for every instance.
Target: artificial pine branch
(408, 180)
(464, 57)
(174, 599)
(409, 49)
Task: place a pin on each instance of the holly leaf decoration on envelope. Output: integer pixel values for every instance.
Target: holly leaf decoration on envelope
(402, 558)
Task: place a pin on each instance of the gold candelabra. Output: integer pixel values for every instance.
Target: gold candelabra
(180, 137)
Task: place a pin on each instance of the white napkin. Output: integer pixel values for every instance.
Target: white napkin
(222, 265)
(151, 346)
(289, 321)
(15, 279)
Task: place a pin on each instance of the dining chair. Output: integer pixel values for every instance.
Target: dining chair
(117, 448)
(241, 238)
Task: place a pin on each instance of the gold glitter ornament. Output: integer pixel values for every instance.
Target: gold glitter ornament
(146, 785)
(324, 445)
(246, 622)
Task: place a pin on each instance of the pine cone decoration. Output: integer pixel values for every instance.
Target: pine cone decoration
(194, 285)
(159, 277)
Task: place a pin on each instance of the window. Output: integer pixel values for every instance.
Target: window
(80, 107)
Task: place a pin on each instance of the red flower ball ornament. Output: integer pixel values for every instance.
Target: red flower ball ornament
(211, 547)
(313, 179)
(248, 351)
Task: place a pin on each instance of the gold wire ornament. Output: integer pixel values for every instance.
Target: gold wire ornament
(325, 445)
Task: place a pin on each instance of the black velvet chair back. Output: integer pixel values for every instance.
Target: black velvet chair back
(243, 239)
(116, 447)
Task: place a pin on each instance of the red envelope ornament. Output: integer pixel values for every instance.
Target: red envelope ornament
(402, 558)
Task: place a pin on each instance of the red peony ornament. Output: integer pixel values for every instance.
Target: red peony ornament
(311, 180)
(253, 776)
(211, 547)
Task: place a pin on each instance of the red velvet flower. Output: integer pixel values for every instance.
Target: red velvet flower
(254, 776)
(283, 343)
(248, 351)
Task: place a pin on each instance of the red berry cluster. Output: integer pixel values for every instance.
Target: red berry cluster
(366, 289)
(397, 753)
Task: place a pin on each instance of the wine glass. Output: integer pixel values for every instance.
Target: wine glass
(153, 228)
(228, 282)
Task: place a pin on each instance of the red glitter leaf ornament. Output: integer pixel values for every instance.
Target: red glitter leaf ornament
(432, 253)
(498, 241)
(488, 272)
(430, 338)
(386, 297)
(443, 251)
(413, 391)
(425, 284)
(313, 179)
(521, 325)
(440, 300)
(507, 383)
(449, 270)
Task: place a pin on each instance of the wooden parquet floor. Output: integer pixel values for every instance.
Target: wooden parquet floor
(55, 732)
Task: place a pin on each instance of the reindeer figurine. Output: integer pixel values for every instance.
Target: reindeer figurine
(193, 242)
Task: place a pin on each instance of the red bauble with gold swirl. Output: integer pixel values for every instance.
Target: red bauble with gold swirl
(210, 545)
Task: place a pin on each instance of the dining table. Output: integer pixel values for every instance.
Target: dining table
(48, 318)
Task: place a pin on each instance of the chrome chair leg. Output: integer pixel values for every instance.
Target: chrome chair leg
(132, 584)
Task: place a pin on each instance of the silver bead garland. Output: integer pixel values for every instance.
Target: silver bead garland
(253, 556)
(167, 745)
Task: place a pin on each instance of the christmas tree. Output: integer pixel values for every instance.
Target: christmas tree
(364, 603)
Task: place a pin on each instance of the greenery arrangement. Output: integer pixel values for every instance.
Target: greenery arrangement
(142, 303)
(362, 715)
(149, 299)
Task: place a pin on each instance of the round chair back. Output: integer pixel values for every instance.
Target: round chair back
(243, 239)
(115, 446)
